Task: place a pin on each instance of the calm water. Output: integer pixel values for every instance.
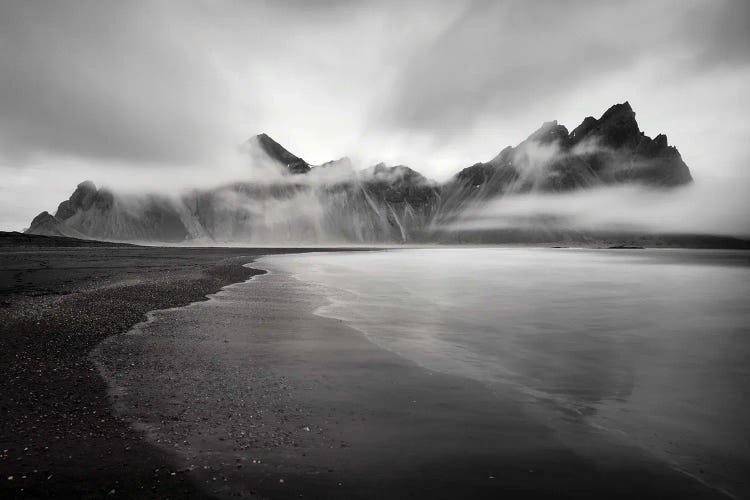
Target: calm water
(651, 346)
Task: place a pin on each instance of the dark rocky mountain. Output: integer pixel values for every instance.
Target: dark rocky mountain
(278, 153)
(49, 225)
(101, 214)
(332, 203)
(610, 150)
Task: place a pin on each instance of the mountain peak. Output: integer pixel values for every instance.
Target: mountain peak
(617, 128)
(87, 185)
(549, 132)
(82, 198)
(615, 151)
(621, 111)
(279, 153)
(623, 107)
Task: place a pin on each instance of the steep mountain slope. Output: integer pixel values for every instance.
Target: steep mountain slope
(607, 151)
(46, 224)
(278, 153)
(360, 209)
(333, 203)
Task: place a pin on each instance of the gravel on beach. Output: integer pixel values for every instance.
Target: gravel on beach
(59, 436)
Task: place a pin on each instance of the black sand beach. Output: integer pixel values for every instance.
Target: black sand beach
(293, 406)
(278, 402)
(59, 437)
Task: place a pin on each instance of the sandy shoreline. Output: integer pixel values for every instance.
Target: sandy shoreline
(252, 394)
(59, 436)
(255, 395)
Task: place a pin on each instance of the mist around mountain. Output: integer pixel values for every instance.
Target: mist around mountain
(335, 203)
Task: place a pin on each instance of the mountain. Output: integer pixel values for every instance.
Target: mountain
(333, 203)
(607, 151)
(45, 224)
(101, 214)
(277, 152)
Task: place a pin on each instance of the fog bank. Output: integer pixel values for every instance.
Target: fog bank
(710, 206)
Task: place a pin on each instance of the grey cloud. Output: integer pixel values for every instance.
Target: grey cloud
(104, 80)
(154, 92)
(719, 31)
(500, 57)
(168, 81)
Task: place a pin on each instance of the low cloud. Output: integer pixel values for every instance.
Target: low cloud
(710, 207)
(713, 205)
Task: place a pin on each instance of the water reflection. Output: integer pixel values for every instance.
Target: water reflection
(652, 343)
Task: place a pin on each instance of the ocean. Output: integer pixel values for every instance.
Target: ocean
(652, 346)
(452, 368)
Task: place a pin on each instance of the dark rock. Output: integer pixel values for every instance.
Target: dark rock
(276, 151)
(583, 129)
(81, 199)
(48, 225)
(549, 132)
(617, 127)
(400, 184)
(609, 150)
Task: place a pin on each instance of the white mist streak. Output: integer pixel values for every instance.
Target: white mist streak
(705, 207)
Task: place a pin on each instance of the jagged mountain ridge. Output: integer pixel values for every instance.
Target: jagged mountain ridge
(379, 204)
(610, 150)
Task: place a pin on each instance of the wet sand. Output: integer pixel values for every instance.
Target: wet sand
(59, 437)
(254, 395)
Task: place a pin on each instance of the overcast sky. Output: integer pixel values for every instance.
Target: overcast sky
(159, 94)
